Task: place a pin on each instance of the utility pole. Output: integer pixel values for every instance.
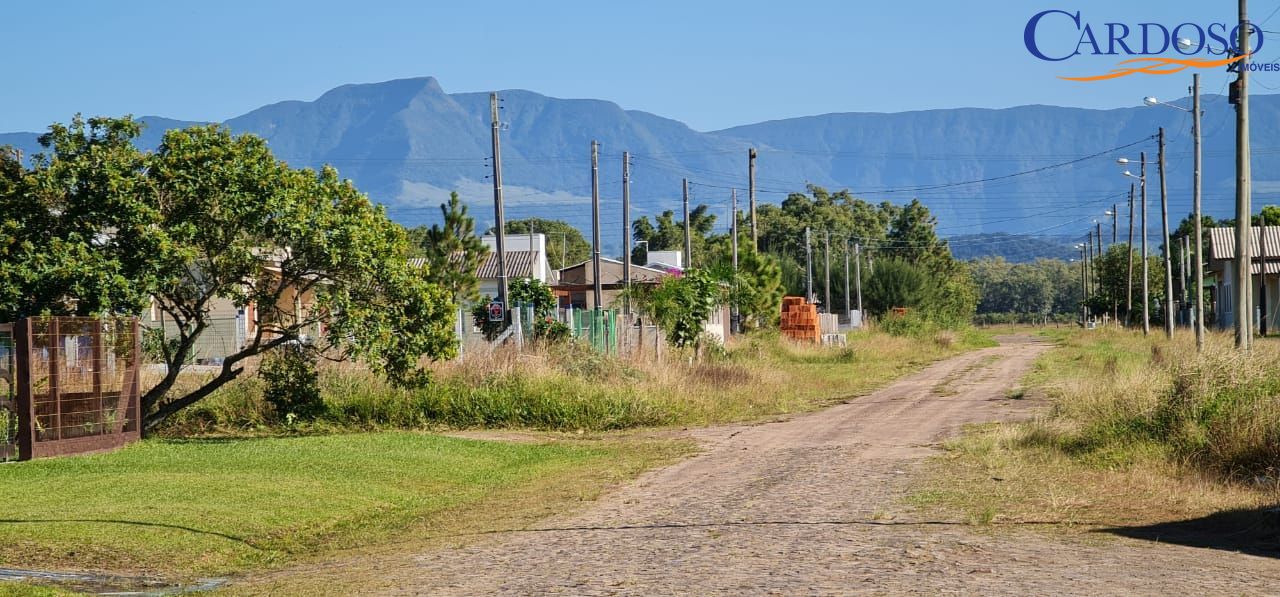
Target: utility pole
(1092, 282)
(1146, 290)
(1115, 215)
(1084, 289)
(497, 206)
(1168, 245)
(1184, 276)
(688, 241)
(857, 273)
(1097, 270)
(595, 222)
(626, 229)
(1244, 208)
(751, 196)
(826, 280)
(733, 232)
(1262, 275)
(1199, 265)
(848, 313)
(1128, 304)
(808, 266)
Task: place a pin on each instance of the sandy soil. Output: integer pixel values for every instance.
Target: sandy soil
(814, 505)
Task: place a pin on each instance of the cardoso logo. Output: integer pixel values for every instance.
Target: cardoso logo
(1058, 35)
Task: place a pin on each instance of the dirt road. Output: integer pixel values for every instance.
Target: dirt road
(814, 505)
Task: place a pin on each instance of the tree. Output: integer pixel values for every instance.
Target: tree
(214, 216)
(898, 283)
(453, 251)
(756, 288)
(565, 244)
(681, 304)
(668, 234)
(913, 236)
(55, 257)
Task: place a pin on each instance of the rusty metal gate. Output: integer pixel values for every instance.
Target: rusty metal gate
(8, 396)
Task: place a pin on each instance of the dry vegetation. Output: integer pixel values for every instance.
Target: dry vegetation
(570, 388)
(1136, 431)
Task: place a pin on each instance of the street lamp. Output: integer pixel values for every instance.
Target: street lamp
(1197, 314)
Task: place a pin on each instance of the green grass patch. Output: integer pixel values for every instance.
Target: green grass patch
(218, 506)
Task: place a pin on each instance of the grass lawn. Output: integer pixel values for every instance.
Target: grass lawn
(210, 507)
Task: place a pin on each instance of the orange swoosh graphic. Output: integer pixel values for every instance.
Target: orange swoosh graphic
(1159, 66)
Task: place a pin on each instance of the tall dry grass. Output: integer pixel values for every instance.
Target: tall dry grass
(1115, 392)
(570, 387)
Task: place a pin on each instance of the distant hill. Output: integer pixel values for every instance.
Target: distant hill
(408, 143)
(1015, 248)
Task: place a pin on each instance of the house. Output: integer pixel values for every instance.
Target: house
(1221, 260)
(575, 287)
(231, 326)
(526, 257)
(576, 284)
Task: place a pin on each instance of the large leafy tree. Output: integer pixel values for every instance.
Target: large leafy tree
(214, 216)
(452, 250)
(666, 233)
(74, 238)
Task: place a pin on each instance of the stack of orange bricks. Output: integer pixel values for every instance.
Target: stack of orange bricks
(800, 319)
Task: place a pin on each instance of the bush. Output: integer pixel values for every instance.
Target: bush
(292, 385)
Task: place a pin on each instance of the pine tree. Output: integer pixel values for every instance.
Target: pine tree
(453, 251)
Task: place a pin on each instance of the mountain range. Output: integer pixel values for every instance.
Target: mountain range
(1039, 170)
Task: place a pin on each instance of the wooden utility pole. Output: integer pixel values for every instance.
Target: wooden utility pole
(733, 232)
(626, 229)
(1199, 265)
(751, 196)
(500, 224)
(1244, 209)
(595, 225)
(688, 240)
(1168, 244)
(1128, 303)
(1146, 290)
(808, 266)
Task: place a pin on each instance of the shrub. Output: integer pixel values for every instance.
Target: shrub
(292, 385)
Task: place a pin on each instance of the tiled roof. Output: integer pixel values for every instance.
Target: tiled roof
(519, 264)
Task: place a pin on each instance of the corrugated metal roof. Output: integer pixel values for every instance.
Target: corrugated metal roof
(519, 264)
(1222, 243)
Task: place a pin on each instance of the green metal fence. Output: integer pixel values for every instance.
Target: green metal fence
(598, 327)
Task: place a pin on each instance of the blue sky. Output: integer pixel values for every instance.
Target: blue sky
(709, 64)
